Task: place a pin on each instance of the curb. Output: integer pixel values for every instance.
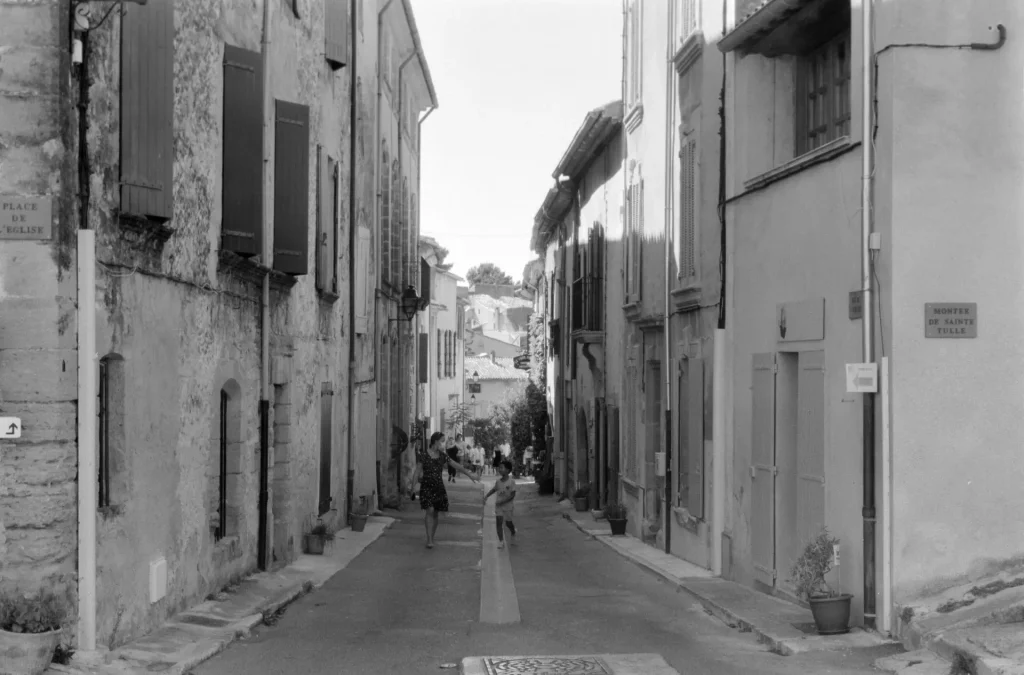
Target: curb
(775, 644)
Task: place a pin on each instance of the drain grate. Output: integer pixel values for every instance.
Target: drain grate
(547, 665)
(207, 621)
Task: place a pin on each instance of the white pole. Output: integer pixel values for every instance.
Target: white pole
(887, 519)
(718, 451)
(87, 476)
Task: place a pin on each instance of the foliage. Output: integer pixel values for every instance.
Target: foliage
(442, 254)
(41, 613)
(488, 273)
(490, 432)
(321, 530)
(457, 417)
(615, 511)
(529, 415)
(808, 573)
(582, 491)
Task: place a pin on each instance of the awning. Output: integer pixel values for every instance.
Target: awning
(777, 27)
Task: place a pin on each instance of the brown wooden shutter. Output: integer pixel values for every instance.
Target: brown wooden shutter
(336, 39)
(242, 199)
(695, 436)
(291, 188)
(326, 225)
(147, 109)
(326, 447)
(425, 273)
(424, 360)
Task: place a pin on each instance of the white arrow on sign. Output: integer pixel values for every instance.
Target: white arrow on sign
(10, 427)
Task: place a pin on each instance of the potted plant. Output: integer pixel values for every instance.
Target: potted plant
(30, 631)
(359, 515)
(317, 538)
(616, 515)
(582, 497)
(830, 609)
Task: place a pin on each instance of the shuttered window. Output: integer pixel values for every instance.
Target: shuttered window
(336, 32)
(396, 225)
(425, 273)
(424, 357)
(242, 199)
(363, 281)
(414, 236)
(327, 223)
(440, 351)
(385, 213)
(291, 188)
(688, 209)
(326, 446)
(634, 240)
(406, 278)
(147, 109)
(690, 494)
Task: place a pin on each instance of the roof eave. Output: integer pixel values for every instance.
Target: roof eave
(411, 20)
(759, 23)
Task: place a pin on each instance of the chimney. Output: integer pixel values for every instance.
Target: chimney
(493, 360)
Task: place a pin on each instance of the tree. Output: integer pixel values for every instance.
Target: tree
(488, 273)
(442, 254)
(457, 417)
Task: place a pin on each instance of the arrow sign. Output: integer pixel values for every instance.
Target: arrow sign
(10, 427)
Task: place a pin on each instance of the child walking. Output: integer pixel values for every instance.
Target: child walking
(505, 489)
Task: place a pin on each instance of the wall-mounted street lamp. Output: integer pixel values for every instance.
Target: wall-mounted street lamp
(410, 303)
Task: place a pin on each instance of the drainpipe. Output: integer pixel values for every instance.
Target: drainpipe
(670, 87)
(718, 376)
(352, 243)
(868, 512)
(264, 496)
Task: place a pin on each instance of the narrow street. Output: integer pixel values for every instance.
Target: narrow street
(400, 608)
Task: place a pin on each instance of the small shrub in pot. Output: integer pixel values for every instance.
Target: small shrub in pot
(30, 630)
(616, 515)
(582, 497)
(830, 609)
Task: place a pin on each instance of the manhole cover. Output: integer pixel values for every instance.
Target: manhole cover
(543, 665)
(207, 621)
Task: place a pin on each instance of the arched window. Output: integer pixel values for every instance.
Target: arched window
(226, 463)
(385, 214)
(396, 211)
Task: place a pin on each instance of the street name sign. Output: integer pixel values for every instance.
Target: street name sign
(25, 217)
(10, 427)
(861, 378)
(951, 320)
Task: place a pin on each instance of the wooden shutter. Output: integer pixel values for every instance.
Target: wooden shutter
(147, 110)
(385, 214)
(695, 437)
(326, 447)
(336, 29)
(326, 227)
(640, 244)
(362, 280)
(440, 347)
(687, 212)
(424, 360)
(291, 188)
(763, 471)
(242, 199)
(810, 445)
(425, 274)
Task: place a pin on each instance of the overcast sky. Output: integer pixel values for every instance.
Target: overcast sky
(514, 80)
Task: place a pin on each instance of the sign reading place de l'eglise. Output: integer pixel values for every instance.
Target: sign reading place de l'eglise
(25, 217)
(951, 320)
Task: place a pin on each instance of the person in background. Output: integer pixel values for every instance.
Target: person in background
(454, 452)
(496, 462)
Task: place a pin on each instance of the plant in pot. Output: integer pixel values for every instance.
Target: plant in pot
(616, 515)
(359, 515)
(582, 497)
(830, 609)
(317, 537)
(30, 631)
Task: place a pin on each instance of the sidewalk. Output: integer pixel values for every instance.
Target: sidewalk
(786, 628)
(199, 633)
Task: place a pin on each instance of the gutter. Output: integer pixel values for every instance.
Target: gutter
(266, 254)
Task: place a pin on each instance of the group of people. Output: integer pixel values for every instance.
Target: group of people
(430, 468)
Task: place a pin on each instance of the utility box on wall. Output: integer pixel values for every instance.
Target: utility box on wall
(157, 579)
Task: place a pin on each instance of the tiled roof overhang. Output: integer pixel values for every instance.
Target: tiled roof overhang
(599, 126)
(778, 27)
(556, 205)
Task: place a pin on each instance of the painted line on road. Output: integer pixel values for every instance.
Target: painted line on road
(498, 600)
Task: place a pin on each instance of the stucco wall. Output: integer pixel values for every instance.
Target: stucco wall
(956, 165)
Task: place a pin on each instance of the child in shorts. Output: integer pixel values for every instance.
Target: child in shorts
(505, 489)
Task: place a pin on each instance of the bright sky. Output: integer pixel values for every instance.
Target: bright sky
(514, 80)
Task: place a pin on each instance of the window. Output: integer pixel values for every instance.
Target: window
(327, 223)
(405, 243)
(385, 214)
(291, 188)
(336, 33)
(414, 236)
(226, 460)
(634, 47)
(147, 108)
(690, 457)
(326, 446)
(634, 237)
(688, 19)
(823, 94)
(688, 209)
(440, 352)
(396, 224)
(110, 431)
(242, 218)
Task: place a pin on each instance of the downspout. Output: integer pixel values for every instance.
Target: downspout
(265, 300)
(87, 376)
(669, 240)
(352, 243)
(718, 374)
(867, 325)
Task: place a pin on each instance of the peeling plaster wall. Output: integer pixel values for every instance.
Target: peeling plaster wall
(185, 325)
(38, 292)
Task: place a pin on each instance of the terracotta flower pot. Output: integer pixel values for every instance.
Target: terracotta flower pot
(618, 525)
(358, 522)
(831, 614)
(314, 543)
(582, 504)
(27, 653)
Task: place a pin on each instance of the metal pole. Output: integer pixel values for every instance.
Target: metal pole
(87, 483)
(868, 511)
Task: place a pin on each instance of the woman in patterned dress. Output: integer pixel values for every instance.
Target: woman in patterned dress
(433, 496)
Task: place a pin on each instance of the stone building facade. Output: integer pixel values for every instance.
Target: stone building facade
(208, 149)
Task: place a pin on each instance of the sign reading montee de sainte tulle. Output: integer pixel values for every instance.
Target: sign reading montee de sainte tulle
(25, 217)
(951, 320)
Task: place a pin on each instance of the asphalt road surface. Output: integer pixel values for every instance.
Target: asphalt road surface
(401, 608)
